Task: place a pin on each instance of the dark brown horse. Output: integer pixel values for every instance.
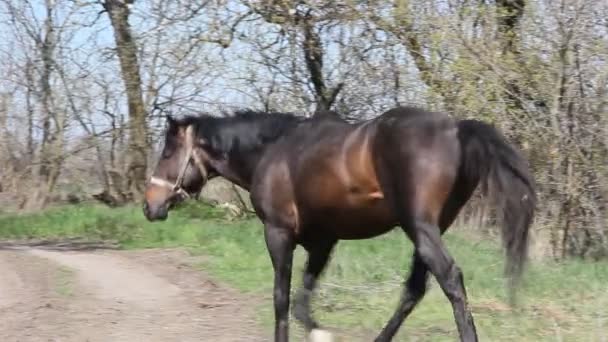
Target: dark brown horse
(316, 181)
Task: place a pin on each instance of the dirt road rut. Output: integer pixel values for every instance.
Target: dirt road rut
(108, 296)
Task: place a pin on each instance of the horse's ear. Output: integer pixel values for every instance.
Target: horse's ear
(171, 122)
(172, 125)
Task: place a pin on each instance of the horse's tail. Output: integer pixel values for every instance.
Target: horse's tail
(488, 159)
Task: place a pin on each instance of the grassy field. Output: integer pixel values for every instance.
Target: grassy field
(558, 302)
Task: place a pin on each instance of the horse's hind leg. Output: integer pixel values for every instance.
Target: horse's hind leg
(318, 255)
(413, 291)
(415, 216)
(434, 254)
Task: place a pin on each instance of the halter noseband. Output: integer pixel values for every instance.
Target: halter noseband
(190, 155)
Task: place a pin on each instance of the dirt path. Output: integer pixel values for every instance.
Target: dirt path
(152, 295)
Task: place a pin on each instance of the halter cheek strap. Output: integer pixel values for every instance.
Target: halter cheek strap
(190, 155)
(166, 184)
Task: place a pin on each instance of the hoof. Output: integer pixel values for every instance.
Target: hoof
(319, 335)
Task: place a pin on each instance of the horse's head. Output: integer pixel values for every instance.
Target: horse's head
(198, 148)
(181, 172)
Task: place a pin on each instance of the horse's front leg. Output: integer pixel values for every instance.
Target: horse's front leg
(280, 244)
(319, 252)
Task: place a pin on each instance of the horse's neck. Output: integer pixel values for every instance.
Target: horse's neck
(239, 165)
(239, 168)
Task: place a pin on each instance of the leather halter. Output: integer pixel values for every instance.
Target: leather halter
(177, 187)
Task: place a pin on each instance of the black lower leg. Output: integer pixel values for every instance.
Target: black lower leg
(318, 256)
(280, 246)
(413, 291)
(455, 290)
(434, 254)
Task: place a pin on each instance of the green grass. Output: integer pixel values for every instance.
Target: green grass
(558, 301)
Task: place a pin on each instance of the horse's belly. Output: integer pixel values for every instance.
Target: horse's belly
(356, 220)
(345, 204)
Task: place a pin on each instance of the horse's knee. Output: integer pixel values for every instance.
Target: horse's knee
(455, 283)
(455, 274)
(281, 299)
(301, 305)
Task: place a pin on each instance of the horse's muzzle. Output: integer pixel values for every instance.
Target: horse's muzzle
(155, 212)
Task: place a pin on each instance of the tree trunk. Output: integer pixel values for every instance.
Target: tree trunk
(509, 13)
(5, 151)
(118, 11)
(312, 47)
(313, 54)
(30, 112)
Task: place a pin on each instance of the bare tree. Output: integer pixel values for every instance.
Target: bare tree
(43, 35)
(126, 48)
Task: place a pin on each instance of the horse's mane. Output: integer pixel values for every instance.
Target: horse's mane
(242, 130)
